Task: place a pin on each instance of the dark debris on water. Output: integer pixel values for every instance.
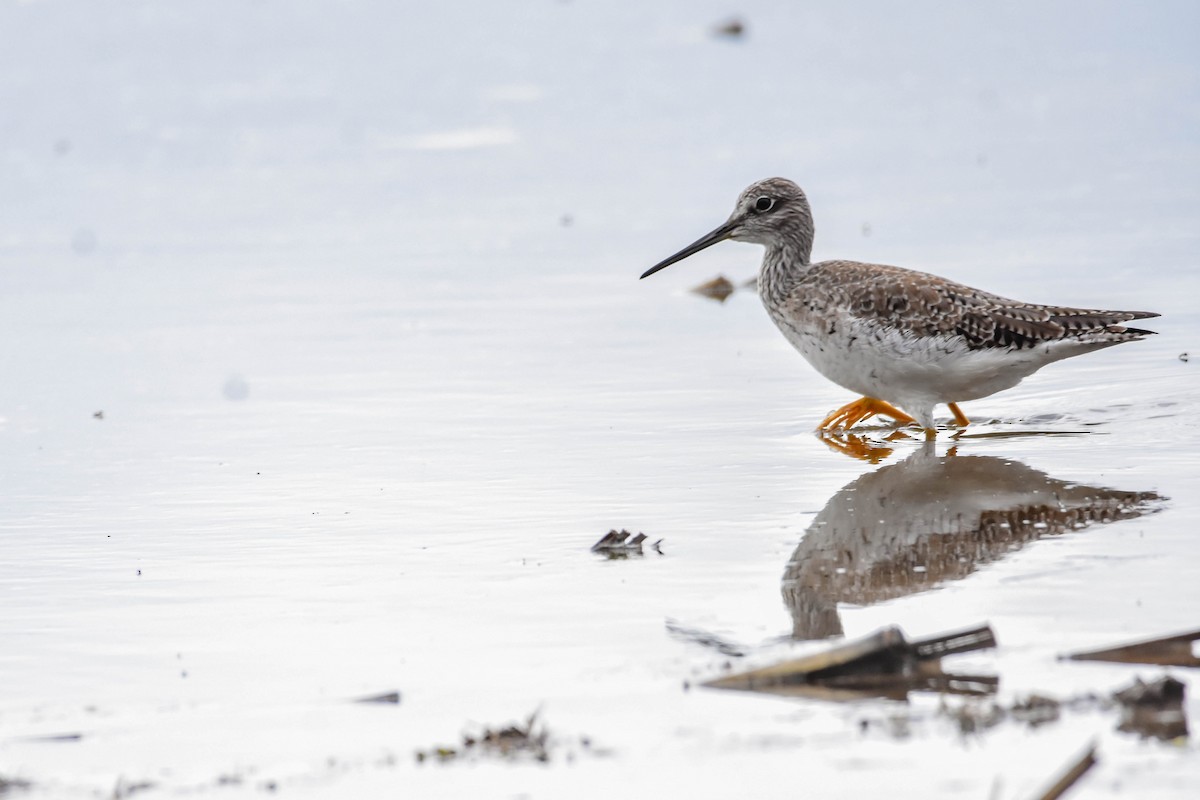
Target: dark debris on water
(527, 741)
(1154, 709)
(384, 698)
(1151, 709)
(884, 664)
(705, 639)
(1175, 650)
(733, 28)
(13, 785)
(623, 544)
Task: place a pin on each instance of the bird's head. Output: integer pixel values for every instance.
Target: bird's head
(773, 212)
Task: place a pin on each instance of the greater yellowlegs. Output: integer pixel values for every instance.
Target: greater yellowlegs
(900, 338)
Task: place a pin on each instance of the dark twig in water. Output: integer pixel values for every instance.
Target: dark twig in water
(1076, 771)
(385, 698)
(705, 639)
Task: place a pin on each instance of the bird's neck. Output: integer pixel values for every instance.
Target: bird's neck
(782, 266)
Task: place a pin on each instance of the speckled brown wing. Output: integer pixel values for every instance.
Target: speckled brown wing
(926, 305)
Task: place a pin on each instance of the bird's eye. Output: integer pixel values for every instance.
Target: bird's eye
(764, 203)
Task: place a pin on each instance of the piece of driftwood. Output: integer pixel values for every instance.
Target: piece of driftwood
(1165, 692)
(884, 663)
(622, 544)
(1075, 771)
(1173, 651)
(1154, 709)
(705, 639)
(386, 698)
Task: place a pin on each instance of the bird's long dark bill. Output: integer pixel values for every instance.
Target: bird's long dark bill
(708, 240)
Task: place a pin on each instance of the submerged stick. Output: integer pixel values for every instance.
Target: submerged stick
(1073, 774)
(1166, 650)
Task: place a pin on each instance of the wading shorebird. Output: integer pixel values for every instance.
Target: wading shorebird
(900, 338)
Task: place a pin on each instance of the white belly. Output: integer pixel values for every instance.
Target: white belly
(908, 371)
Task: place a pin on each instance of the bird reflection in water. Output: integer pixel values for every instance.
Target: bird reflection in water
(913, 525)
(861, 447)
(873, 450)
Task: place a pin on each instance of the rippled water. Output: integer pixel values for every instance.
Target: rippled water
(326, 362)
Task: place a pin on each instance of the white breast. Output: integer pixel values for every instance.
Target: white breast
(909, 371)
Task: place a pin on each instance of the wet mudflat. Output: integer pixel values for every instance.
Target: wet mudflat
(323, 375)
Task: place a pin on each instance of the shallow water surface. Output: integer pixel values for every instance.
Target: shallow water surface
(325, 369)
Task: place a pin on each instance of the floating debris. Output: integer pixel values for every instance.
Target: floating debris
(618, 544)
(1036, 710)
(1183, 357)
(972, 717)
(12, 785)
(1166, 692)
(392, 698)
(1169, 651)
(1033, 710)
(126, 788)
(882, 664)
(719, 288)
(511, 742)
(98, 414)
(1155, 709)
(1152, 709)
(731, 29)
(1075, 771)
(55, 737)
(705, 639)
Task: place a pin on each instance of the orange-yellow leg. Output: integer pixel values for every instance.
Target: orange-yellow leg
(851, 414)
(959, 416)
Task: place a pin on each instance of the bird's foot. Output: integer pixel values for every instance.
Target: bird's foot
(863, 408)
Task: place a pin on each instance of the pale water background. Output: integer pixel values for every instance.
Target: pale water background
(354, 286)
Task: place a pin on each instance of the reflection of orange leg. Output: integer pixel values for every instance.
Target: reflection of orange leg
(863, 408)
(959, 416)
(856, 447)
